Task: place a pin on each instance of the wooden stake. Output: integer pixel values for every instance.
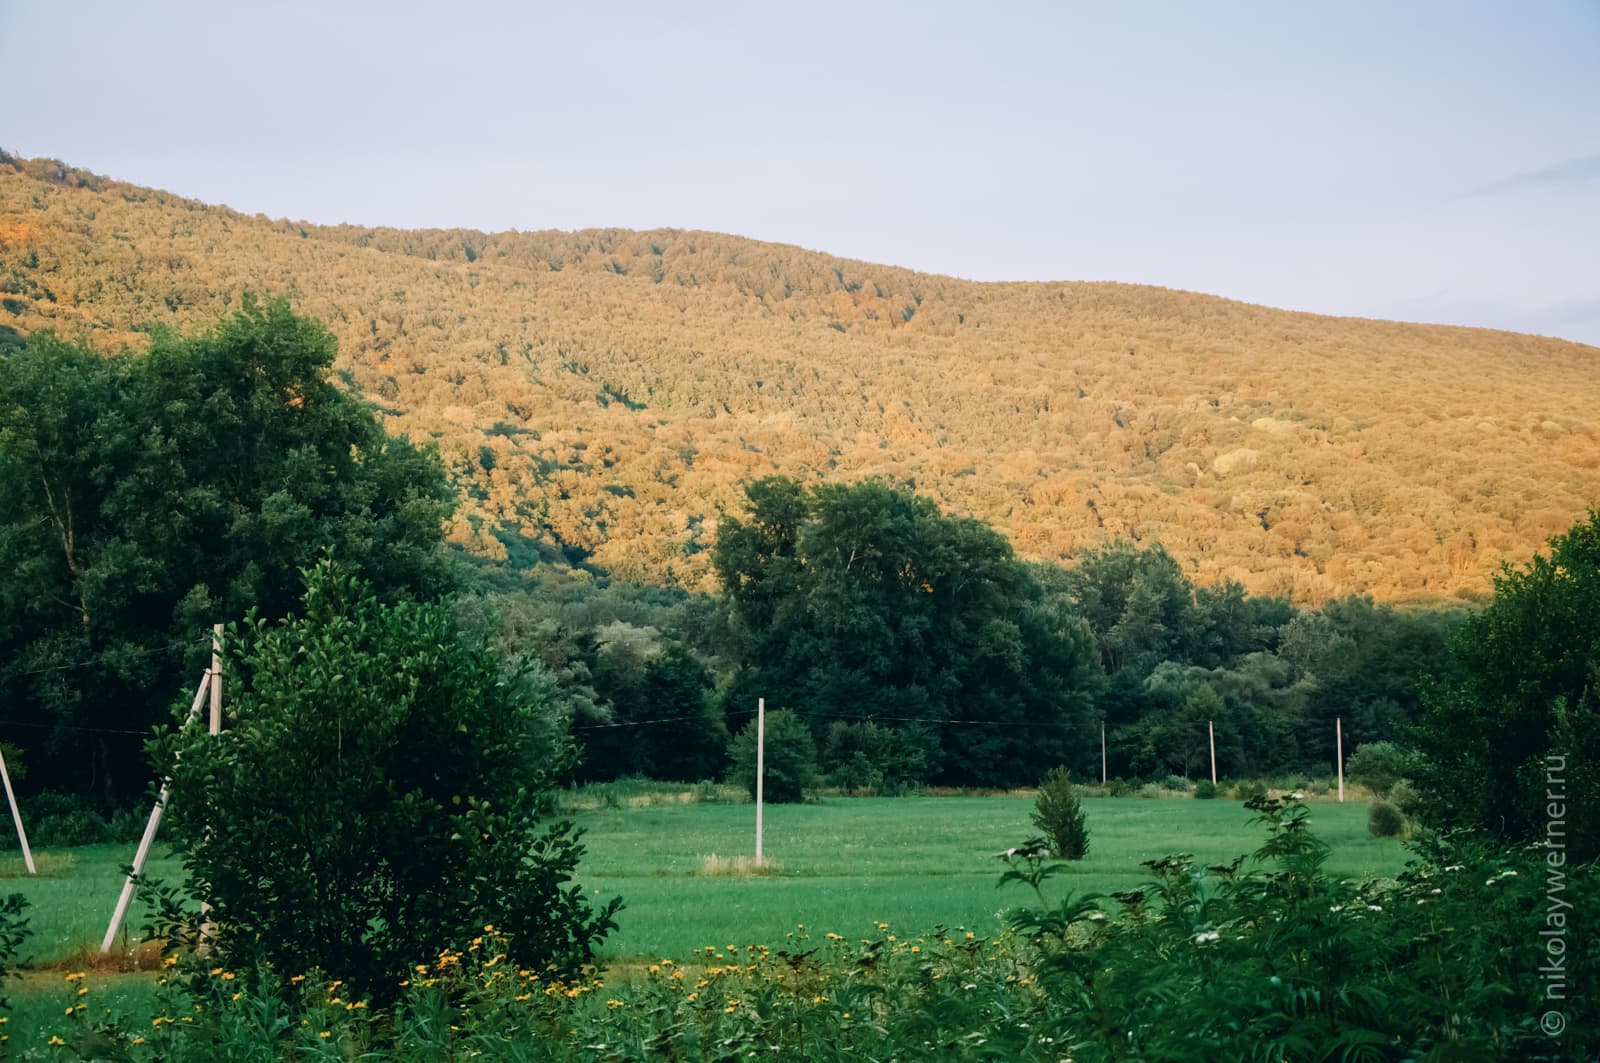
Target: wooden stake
(149, 834)
(1211, 731)
(216, 679)
(1338, 738)
(1102, 754)
(215, 727)
(16, 816)
(761, 766)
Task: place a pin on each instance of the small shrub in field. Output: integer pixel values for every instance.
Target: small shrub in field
(791, 758)
(1150, 791)
(1205, 790)
(1246, 791)
(1177, 784)
(1058, 813)
(1121, 788)
(1385, 821)
(13, 932)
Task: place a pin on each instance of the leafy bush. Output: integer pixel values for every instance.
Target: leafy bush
(1519, 715)
(1122, 788)
(1286, 962)
(60, 820)
(1177, 784)
(1385, 821)
(791, 758)
(1205, 790)
(1378, 766)
(373, 799)
(867, 758)
(1250, 791)
(1403, 795)
(13, 932)
(1058, 813)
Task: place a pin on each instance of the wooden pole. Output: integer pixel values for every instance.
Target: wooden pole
(761, 766)
(215, 727)
(1102, 754)
(216, 679)
(1338, 739)
(1211, 732)
(149, 834)
(16, 816)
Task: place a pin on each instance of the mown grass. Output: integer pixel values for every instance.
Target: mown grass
(846, 864)
(843, 865)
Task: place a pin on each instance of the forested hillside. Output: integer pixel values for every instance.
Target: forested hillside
(611, 391)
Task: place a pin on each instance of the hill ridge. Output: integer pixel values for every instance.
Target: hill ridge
(610, 389)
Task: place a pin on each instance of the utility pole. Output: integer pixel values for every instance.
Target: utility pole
(16, 816)
(1211, 732)
(761, 766)
(1102, 754)
(1338, 741)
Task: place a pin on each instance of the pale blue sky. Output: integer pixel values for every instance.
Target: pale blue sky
(1433, 161)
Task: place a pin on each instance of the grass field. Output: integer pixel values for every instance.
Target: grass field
(841, 866)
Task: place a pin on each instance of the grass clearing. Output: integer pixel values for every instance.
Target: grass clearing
(847, 864)
(842, 865)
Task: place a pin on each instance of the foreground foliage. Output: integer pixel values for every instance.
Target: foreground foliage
(1263, 959)
(1511, 739)
(374, 798)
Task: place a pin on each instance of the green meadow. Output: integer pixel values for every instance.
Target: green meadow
(838, 865)
(841, 865)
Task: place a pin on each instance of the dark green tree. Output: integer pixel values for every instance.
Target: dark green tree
(789, 758)
(862, 602)
(375, 797)
(1520, 720)
(145, 497)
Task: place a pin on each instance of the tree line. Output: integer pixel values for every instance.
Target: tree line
(143, 497)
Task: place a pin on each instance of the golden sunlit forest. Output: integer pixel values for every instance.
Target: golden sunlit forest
(610, 391)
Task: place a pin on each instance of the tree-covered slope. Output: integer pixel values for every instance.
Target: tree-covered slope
(612, 389)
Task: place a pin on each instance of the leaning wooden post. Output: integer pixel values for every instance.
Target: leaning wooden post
(149, 833)
(216, 679)
(16, 816)
(1211, 731)
(215, 727)
(761, 766)
(1338, 741)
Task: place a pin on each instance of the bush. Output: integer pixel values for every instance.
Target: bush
(13, 932)
(791, 758)
(1404, 797)
(374, 799)
(1058, 813)
(1205, 790)
(1248, 791)
(867, 758)
(1378, 766)
(1121, 788)
(1177, 784)
(60, 820)
(1385, 821)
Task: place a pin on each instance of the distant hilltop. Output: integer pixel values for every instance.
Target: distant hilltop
(608, 391)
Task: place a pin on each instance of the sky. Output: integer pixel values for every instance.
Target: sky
(1426, 161)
